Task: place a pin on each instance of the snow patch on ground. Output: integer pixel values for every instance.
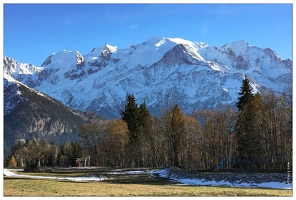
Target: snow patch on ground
(178, 178)
(8, 172)
(241, 181)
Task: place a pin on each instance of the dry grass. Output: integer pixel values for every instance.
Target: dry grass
(49, 188)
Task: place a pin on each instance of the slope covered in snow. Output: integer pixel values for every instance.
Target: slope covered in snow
(159, 71)
(13, 95)
(28, 114)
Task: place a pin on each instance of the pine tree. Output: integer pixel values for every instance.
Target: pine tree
(245, 94)
(143, 113)
(249, 133)
(130, 115)
(244, 123)
(137, 120)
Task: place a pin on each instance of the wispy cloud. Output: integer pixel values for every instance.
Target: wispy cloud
(133, 26)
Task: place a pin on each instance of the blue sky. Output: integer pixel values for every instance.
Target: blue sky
(32, 32)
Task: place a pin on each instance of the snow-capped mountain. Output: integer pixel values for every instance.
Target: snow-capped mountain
(29, 114)
(160, 71)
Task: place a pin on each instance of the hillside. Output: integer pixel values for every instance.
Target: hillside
(32, 114)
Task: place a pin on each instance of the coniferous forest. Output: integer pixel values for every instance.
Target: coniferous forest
(257, 134)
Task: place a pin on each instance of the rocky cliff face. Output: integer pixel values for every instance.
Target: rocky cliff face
(160, 71)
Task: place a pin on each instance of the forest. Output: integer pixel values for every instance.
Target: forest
(256, 134)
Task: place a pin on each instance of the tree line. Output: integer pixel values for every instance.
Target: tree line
(256, 135)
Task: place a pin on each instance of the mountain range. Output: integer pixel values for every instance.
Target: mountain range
(160, 71)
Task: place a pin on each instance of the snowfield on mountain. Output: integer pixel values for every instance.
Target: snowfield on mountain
(160, 71)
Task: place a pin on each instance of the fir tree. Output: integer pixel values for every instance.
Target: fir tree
(130, 115)
(243, 137)
(143, 113)
(248, 128)
(137, 120)
(245, 94)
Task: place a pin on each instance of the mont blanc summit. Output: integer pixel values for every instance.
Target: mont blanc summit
(159, 71)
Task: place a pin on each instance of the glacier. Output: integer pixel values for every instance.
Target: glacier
(160, 71)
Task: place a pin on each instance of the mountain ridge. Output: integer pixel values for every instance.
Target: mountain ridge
(28, 114)
(160, 70)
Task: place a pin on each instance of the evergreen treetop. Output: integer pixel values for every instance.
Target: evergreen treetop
(130, 115)
(245, 94)
(134, 116)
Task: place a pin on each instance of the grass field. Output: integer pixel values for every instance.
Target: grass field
(131, 185)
